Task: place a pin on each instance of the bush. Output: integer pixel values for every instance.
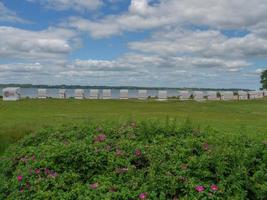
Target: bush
(148, 160)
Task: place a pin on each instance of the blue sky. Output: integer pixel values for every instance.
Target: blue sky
(185, 43)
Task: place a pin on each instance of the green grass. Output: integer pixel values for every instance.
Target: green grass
(23, 117)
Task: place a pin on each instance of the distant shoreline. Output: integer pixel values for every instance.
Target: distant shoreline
(116, 87)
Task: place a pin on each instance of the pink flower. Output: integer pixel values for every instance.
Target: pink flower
(138, 152)
(33, 157)
(47, 171)
(100, 138)
(143, 195)
(37, 171)
(200, 188)
(214, 187)
(94, 186)
(19, 178)
(119, 152)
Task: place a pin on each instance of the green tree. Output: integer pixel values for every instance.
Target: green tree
(264, 79)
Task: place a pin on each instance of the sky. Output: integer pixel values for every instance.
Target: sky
(152, 43)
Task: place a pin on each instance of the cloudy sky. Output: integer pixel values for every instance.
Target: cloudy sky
(172, 43)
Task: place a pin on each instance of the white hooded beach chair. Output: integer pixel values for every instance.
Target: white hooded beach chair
(11, 94)
(260, 94)
(62, 94)
(94, 94)
(79, 94)
(252, 94)
(198, 96)
(212, 95)
(242, 95)
(124, 94)
(142, 94)
(42, 93)
(184, 95)
(227, 95)
(106, 94)
(162, 95)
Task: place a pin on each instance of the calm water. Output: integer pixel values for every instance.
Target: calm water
(54, 93)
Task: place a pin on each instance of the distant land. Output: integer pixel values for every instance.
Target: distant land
(115, 87)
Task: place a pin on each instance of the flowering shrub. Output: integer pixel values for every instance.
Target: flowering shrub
(145, 160)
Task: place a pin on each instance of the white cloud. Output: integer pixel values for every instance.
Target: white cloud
(53, 43)
(7, 15)
(223, 14)
(208, 43)
(156, 64)
(134, 69)
(259, 71)
(260, 29)
(100, 65)
(79, 5)
(157, 71)
(139, 6)
(21, 67)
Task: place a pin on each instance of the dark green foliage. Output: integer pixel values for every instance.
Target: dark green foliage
(264, 79)
(161, 160)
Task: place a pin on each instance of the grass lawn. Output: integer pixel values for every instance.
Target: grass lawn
(22, 117)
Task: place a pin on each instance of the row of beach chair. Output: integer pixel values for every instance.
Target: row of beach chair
(12, 94)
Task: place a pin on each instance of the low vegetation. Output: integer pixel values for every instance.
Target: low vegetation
(144, 160)
(18, 119)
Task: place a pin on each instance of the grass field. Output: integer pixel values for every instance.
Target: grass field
(23, 117)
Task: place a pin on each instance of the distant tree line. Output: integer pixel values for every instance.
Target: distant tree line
(115, 87)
